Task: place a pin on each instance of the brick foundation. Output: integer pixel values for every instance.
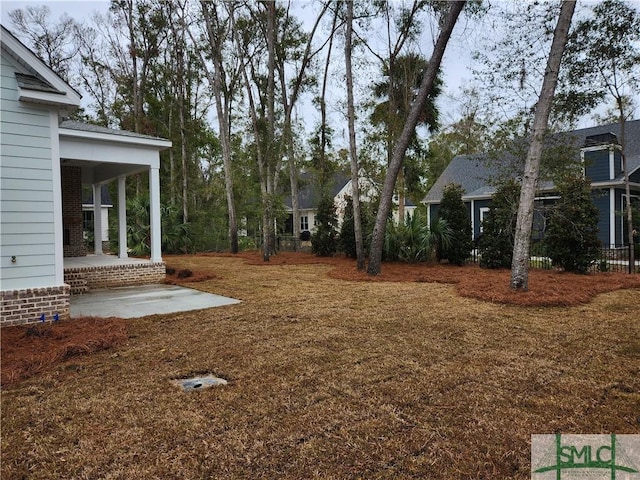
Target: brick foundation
(19, 307)
(114, 276)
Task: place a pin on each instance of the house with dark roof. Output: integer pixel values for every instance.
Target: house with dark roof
(340, 187)
(599, 151)
(44, 163)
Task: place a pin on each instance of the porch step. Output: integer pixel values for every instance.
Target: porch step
(77, 282)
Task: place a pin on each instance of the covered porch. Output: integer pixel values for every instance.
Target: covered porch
(94, 156)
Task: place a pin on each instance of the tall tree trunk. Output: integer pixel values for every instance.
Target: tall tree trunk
(627, 187)
(268, 243)
(386, 199)
(355, 181)
(183, 154)
(288, 103)
(323, 106)
(522, 240)
(293, 180)
(223, 110)
(401, 197)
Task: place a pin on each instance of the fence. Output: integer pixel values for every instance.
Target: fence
(611, 258)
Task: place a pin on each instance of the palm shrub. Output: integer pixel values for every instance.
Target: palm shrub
(176, 235)
(495, 245)
(571, 236)
(324, 241)
(453, 211)
(413, 241)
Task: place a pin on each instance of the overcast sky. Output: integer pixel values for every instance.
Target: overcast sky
(456, 64)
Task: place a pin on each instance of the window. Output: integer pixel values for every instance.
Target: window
(87, 223)
(483, 213)
(304, 223)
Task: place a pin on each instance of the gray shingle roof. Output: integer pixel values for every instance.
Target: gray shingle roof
(309, 193)
(88, 127)
(474, 172)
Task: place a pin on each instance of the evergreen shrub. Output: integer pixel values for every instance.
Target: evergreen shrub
(453, 211)
(495, 244)
(324, 241)
(571, 236)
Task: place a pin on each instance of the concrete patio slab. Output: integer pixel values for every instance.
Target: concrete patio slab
(143, 300)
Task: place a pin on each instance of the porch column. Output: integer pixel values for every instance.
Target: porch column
(97, 219)
(122, 217)
(154, 214)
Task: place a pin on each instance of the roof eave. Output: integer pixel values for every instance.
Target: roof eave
(45, 98)
(25, 56)
(157, 143)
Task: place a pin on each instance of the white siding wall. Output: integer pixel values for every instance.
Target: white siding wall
(27, 229)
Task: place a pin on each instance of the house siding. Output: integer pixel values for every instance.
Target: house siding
(26, 189)
(596, 165)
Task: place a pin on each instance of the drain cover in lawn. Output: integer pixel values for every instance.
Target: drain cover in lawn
(199, 383)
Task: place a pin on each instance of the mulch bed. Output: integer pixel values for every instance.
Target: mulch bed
(29, 349)
(546, 287)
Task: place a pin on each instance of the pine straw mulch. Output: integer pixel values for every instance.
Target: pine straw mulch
(332, 379)
(30, 349)
(546, 287)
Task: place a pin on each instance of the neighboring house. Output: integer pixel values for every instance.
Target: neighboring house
(599, 151)
(340, 187)
(88, 214)
(43, 164)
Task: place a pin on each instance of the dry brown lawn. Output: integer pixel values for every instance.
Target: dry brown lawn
(333, 377)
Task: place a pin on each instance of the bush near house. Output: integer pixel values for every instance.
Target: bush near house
(324, 241)
(347, 231)
(498, 228)
(571, 236)
(454, 212)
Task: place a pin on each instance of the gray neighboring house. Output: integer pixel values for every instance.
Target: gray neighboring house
(340, 187)
(600, 154)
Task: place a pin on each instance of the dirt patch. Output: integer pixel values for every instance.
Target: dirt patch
(29, 349)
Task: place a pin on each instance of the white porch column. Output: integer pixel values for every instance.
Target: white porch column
(97, 219)
(154, 214)
(122, 217)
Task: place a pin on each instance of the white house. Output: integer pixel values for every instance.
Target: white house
(340, 187)
(43, 163)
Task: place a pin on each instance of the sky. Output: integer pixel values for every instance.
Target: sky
(456, 63)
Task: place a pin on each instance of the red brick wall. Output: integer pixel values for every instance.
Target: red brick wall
(72, 212)
(26, 306)
(118, 275)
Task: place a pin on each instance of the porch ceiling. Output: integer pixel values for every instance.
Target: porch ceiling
(103, 172)
(104, 154)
